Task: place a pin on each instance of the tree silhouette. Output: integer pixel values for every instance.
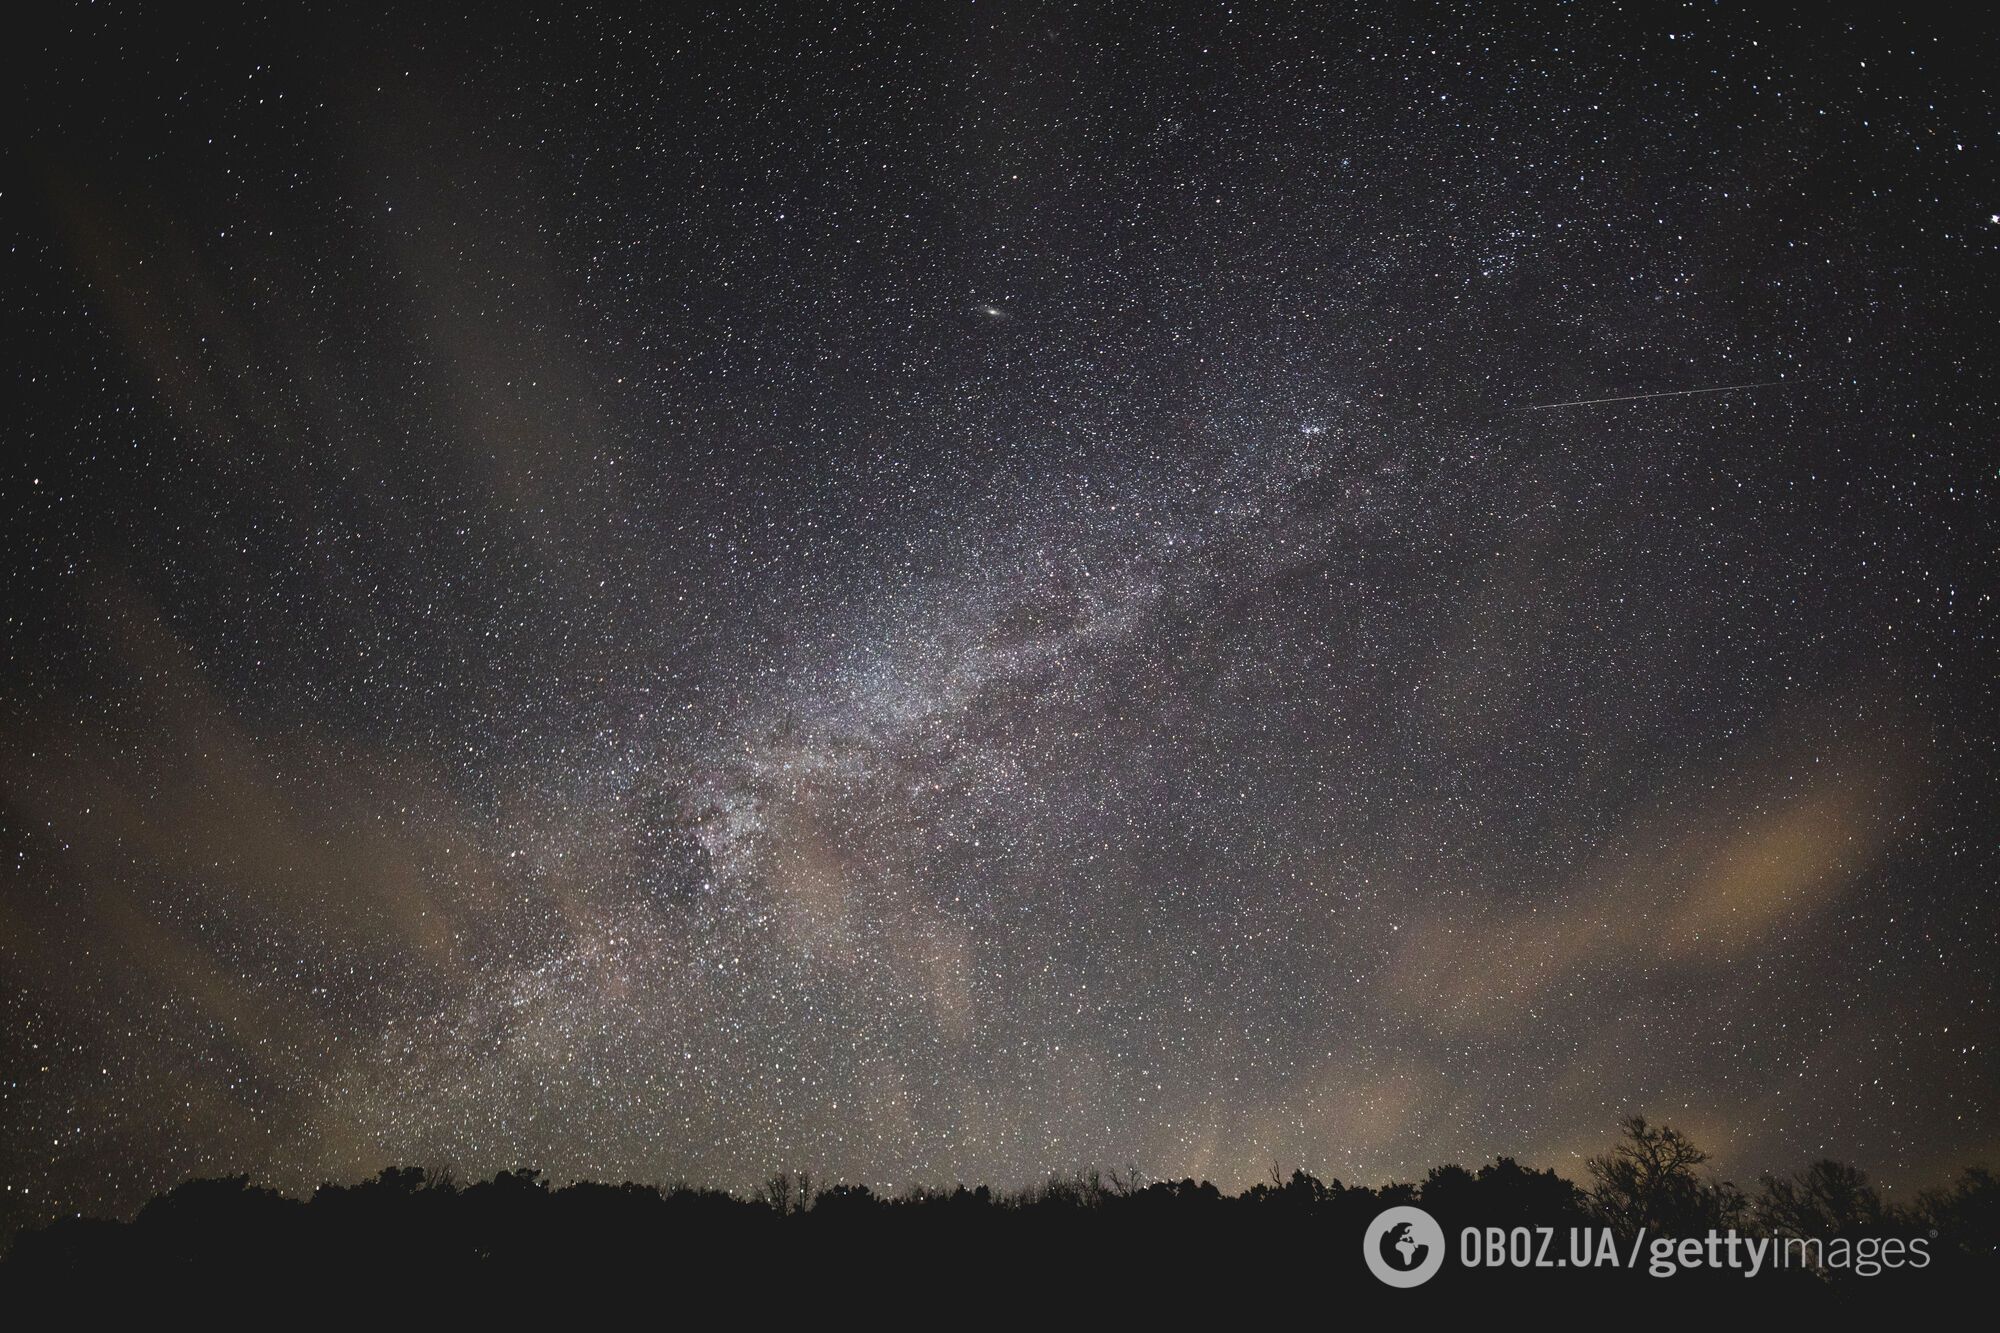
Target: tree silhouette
(1648, 1182)
(407, 1229)
(1826, 1199)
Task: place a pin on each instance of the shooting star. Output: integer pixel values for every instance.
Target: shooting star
(1641, 397)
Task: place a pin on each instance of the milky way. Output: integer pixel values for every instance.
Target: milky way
(957, 593)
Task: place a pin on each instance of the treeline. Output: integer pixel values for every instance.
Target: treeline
(407, 1226)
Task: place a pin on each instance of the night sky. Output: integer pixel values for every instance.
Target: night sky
(968, 591)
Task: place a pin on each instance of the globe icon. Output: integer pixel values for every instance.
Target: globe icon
(1409, 1250)
(1404, 1246)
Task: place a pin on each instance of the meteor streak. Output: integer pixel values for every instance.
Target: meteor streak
(1641, 397)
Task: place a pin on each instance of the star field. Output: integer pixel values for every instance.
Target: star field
(956, 592)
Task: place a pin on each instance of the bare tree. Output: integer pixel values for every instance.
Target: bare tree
(1648, 1181)
(1827, 1199)
(778, 1194)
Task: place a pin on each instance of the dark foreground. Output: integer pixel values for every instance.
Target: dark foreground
(1088, 1238)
